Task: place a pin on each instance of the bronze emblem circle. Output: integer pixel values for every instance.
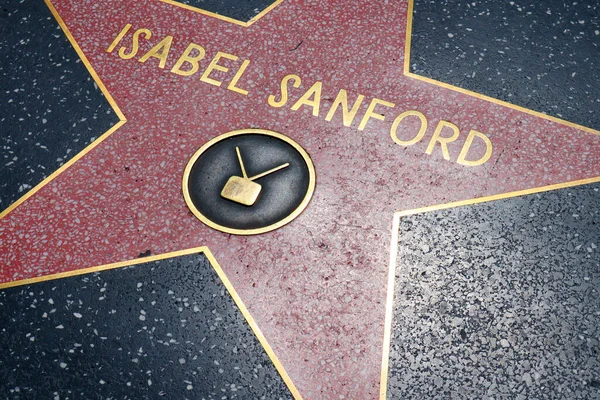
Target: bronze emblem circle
(248, 181)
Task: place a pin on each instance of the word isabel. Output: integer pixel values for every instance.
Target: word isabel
(407, 129)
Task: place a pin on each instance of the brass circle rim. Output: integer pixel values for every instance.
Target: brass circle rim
(301, 207)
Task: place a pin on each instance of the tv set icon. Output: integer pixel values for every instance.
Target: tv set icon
(242, 189)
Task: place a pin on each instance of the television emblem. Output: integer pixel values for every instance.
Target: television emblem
(249, 181)
(242, 189)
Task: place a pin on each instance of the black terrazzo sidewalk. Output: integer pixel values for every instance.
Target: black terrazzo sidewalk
(542, 55)
(159, 330)
(50, 107)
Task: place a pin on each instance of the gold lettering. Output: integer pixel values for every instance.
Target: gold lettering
(284, 91)
(371, 114)
(342, 99)
(186, 57)
(315, 103)
(443, 140)
(419, 134)
(160, 51)
(135, 45)
(465, 150)
(118, 38)
(214, 65)
(237, 77)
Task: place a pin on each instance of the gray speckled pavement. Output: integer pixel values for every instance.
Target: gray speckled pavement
(162, 329)
(499, 300)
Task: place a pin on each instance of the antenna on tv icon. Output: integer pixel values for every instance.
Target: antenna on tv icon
(242, 189)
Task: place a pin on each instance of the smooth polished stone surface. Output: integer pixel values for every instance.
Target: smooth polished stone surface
(499, 300)
(160, 329)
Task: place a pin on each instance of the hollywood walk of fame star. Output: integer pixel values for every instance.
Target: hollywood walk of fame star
(317, 286)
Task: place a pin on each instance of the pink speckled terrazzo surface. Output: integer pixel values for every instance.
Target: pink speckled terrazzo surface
(317, 286)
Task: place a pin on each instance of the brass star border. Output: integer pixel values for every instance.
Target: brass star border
(222, 17)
